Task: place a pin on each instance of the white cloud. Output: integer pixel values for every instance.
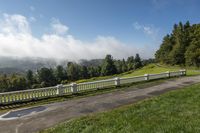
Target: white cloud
(13, 24)
(16, 40)
(32, 8)
(147, 29)
(58, 27)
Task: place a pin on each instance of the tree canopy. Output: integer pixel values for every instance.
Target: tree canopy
(182, 46)
(45, 77)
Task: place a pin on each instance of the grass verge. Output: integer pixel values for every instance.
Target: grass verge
(175, 111)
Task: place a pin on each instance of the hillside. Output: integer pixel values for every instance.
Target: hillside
(149, 69)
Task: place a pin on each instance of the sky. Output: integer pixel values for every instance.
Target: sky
(88, 29)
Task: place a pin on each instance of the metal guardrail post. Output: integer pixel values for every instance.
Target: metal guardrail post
(59, 89)
(168, 74)
(146, 76)
(117, 81)
(183, 72)
(74, 88)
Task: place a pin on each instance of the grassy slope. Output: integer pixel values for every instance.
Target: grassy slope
(176, 111)
(149, 69)
(154, 68)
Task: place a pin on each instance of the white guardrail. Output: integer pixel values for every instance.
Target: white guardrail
(59, 90)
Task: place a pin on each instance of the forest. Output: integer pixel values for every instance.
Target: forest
(46, 77)
(181, 47)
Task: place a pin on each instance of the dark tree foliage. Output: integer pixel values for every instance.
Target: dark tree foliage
(60, 73)
(130, 63)
(182, 46)
(46, 77)
(138, 62)
(29, 77)
(84, 72)
(108, 66)
(12, 83)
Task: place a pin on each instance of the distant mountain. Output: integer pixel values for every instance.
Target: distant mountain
(93, 62)
(20, 65)
(10, 65)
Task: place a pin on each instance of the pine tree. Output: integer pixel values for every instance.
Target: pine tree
(108, 67)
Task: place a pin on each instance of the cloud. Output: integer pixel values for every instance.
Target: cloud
(147, 29)
(32, 8)
(13, 24)
(16, 40)
(58, 27)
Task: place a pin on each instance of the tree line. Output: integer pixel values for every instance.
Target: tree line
(45, 77)
(182, 46)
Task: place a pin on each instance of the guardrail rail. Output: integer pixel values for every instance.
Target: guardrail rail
(59, 90)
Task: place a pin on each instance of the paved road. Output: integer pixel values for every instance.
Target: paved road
(59, 112)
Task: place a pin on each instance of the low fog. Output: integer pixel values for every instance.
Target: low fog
(17, 40)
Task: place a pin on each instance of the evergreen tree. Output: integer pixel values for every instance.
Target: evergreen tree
(182, 46)
(60, 74)
(138, 62)
(84, 72)
(73, 71)
(29, 77)
(130, 63)
(108, 67)
(124, 66)
(118, 65)
(46, 77)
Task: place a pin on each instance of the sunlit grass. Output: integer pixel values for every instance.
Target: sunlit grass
(149, 69)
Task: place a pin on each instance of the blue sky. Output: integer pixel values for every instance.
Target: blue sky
(138, 24)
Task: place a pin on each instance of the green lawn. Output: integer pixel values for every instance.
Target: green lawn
(153, 69)
(149, 69)
(175, 111)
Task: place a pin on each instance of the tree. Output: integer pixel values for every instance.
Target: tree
(124, 66)
(4, 83)
(84, 72)
(162, 55)
(138, 62)
(17, 83)
(181, 47)
(118, 65)
(108, 67)
(60, 74)
(193, 56)
(130, 63)
(73, 71)
(46, 77)
(29, 77)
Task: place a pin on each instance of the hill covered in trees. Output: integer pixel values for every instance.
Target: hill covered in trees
(44, 77)
(182, 46)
